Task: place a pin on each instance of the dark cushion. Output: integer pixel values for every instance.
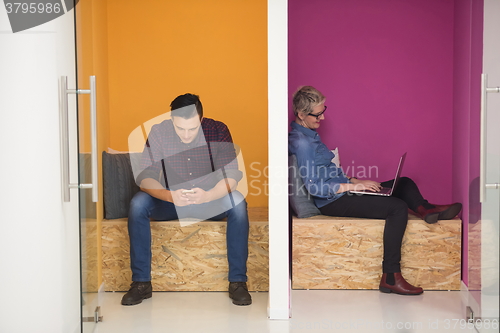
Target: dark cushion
(89, 207)
(118, 184)
(301, 201)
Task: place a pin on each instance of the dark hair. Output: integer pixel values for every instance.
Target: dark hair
(180, 103)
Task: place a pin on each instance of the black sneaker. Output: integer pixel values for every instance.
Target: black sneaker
(238, 292)
(137, 292)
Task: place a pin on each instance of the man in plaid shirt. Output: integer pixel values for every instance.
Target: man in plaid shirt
(188, 170)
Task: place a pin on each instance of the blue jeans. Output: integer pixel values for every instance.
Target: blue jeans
(143, 207)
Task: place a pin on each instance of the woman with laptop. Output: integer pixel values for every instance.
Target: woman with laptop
(332, 189)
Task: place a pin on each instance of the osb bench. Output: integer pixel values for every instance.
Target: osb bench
(186, 258)
(346, 253)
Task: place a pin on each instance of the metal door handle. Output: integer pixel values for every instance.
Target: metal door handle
(63, 111)
(63, 118)
(482, 172)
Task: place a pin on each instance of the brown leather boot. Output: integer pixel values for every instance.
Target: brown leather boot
(400, 285)
(439, 212)
(448, 212)
(428, 215)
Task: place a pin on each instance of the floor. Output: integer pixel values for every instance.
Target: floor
(313, 311)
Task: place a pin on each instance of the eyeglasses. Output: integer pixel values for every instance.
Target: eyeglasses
(319, 114)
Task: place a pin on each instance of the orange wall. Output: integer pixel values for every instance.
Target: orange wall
(158, 50)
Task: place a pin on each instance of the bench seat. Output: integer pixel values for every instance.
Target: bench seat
(327, 253)
(346, 253)
(188, 258)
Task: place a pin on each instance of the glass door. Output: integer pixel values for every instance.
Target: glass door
(92, 73)
(484, 234)
(89, 102)
(88, 196)
(78, 109)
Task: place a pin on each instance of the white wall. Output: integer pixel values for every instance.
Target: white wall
(39, 256)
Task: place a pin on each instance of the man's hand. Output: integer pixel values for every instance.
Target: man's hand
(180, 198)
(197, 196)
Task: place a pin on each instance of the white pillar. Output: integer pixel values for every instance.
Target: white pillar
(279, 272)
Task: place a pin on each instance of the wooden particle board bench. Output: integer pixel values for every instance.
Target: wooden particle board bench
(346, 253)
(188, 258)
(327, 252)
(184, 258)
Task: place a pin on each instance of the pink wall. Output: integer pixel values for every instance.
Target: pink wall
(383, 65)
(468, 49)
(413, 65)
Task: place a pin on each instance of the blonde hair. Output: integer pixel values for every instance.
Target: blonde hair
(305, 99)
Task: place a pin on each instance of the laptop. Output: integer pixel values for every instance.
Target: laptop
(387, 191)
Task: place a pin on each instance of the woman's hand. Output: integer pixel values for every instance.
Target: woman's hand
(365, 184)
(360, 185)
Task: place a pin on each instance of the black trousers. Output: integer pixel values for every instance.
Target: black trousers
(393, 209)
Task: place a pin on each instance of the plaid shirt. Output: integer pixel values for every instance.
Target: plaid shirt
(202, 163)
